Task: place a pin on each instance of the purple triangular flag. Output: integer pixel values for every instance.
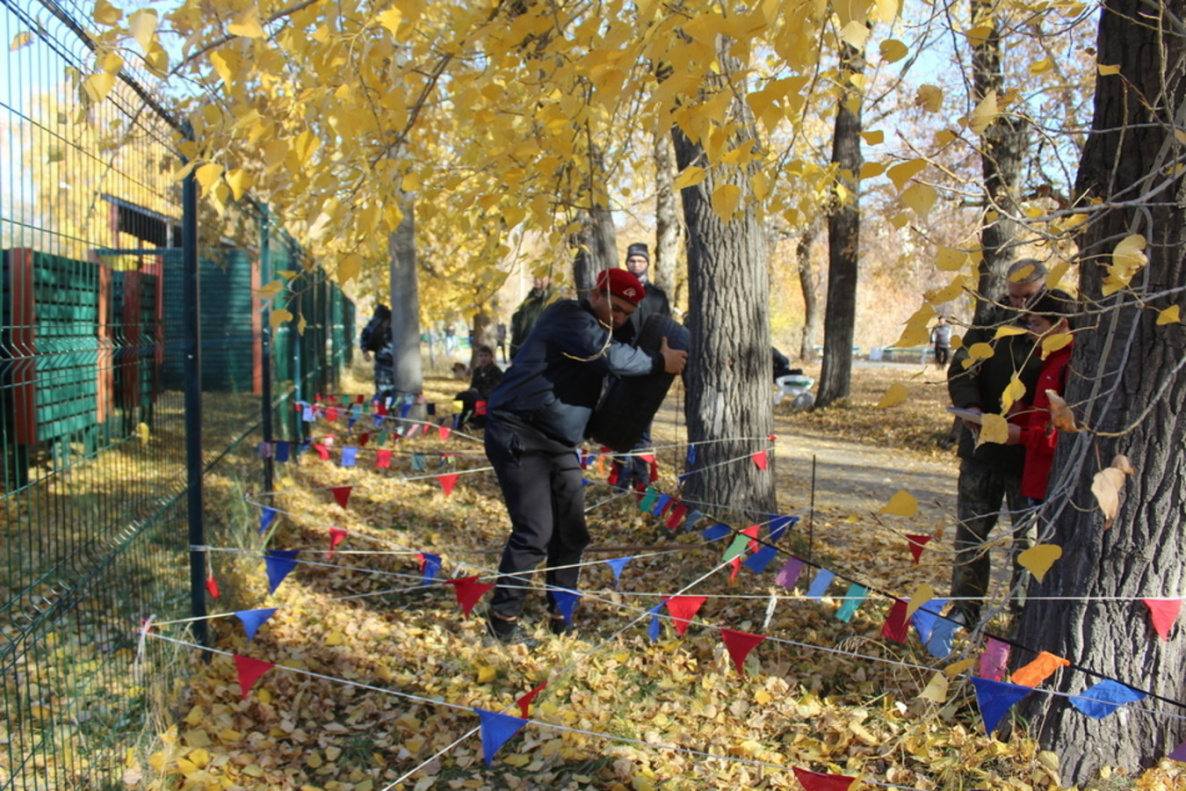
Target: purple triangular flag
(497, 729)
(565, 601)
(1102, 699)
(788, 575)
(995, 698)
(761, 559)
(279, 563)
(617, 564)
(266, 517)
(1179, 753)
(254, 619)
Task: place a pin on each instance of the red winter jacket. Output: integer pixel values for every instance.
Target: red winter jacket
(1038, 435)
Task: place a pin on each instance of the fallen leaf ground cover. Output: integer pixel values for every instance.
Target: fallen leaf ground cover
(377, 674)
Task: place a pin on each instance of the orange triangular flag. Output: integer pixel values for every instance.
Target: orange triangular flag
(342, 494)
(448, 481)
(336, 534)
(249, 672)
(760, 459)
(739, 645)
(916, 545)
(525, 701)
(1039, 670)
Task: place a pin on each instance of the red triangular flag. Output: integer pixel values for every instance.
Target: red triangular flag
(683, 609)
(331, 414)
(916, 545)
(322, 451)
(525, 701)
(760, 459)
(444, 431)
(383, 459)
(381, 409)
(341, 494)
(336, 534)
(468, 591)
(739, 645)
(676, 516)
(817, 781)
(752, 532)
(212, 586)
(895, 627)
(1163, 613)
(736, 564)
(249, 672)
(363, 440)
(448, 482)
(358, 399)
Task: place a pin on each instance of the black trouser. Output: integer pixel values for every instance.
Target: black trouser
(941, 354)
(543, 486)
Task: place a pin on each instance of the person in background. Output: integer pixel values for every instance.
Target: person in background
(527, 314)
(375, 342)
(990, 473)
(941, 338)
(634, 471)
(485, 378)
(535, 420)
(450, 338)
(1031, 425)
(501, 335)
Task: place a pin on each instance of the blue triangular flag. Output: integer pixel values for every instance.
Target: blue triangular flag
(308, 415)
(761, 559)
(924, 618)
(497, 729)
(350, 423)
(432, 565)
(691, 455)
(254, 619)
(617, 564)
(266, 517)
(565, 601)
(995, 698)
(405, 409)
(692, 518)
(717, 531)
(280, 451)
(349, 456)
(939, 643)
(1104, 698)
(379, 420)
(778, 526)
(852, 600)
(653, 629)
(660, 504)
(432, 408)
(820, 584)
(279, 563)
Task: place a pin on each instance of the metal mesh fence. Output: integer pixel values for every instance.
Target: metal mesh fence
(97, 426)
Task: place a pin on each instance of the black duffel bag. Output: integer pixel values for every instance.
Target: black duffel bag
(630, 403)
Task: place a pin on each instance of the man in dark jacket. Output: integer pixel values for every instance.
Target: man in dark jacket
(536, 418)
(375, 340)
(990, 473)
(541, 296)
(633, 471)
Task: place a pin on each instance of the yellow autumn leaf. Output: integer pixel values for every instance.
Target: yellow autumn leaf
(893, 50)
(106, 14)
(239, 181)
(871, 170)
(936, 689)
(855, 34)
(142, 27)
(1038, 560)
(985, 113)
(901, 504)
(1129, 256)
(922, 594)
(894, 395)
(900, 220)
(144, 432)
(955, 668)
(690, 177)
(993, 428)
(981, 351)
(486, 674)
(208, 173)
(1014, 392)
(949, 259)
(978, 35)
(391, 19)
(944, 137)
(247, 24)
(901, 173)
(873, 137)
(929, 98)
(725, 200)
(1107, 71)
(1009, 330)
(97, 86)
(1106, 486)
(349, 267)
(760, 185)
(1052, 343)
(1171, 315)
(302, 323)
(518, 759)
(22, 39)
(278, 317)
(1041, 66)
(410, 182)
(920, 198)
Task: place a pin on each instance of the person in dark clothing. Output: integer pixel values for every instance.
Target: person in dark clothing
(485, 378)
(990, 473)
(633, 471)
(536, 418)
(941, 338)
(375, 341)
(502, 340)
(527, 314)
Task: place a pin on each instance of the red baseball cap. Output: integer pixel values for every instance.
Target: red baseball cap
(622, 284)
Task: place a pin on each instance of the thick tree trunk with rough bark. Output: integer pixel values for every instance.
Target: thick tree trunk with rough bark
(808, 284)
(844, 240)
(1129, 387)
(729, 407)
(1003, 146)
(405, 306)
(596, 243)
(665, 267)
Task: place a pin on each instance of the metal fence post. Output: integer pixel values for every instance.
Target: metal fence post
(193, 405)
(265, 276)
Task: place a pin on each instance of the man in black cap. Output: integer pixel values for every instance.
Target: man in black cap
(633, 471)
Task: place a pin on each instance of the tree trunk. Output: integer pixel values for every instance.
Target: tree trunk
(1127, 380)
(665, 269)
(596, 242)
(844, 239)
(808, 283)
(405, 306)
(728, 321)
(1003, 145)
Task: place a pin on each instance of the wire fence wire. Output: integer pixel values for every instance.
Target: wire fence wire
(97, 482)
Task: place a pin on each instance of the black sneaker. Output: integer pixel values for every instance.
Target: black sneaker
(510, 633)
(560, 627)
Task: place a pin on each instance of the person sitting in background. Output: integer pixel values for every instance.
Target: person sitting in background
(485, 378)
